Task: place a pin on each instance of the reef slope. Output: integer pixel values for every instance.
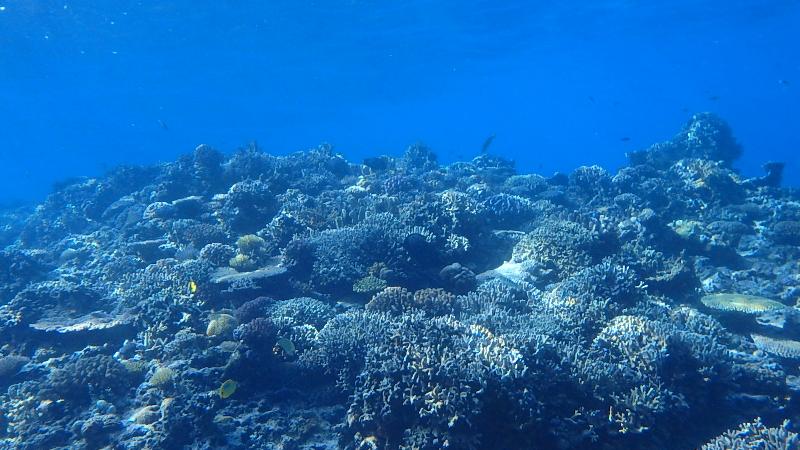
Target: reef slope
(307, 302)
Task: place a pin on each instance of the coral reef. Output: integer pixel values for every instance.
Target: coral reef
(306, 302)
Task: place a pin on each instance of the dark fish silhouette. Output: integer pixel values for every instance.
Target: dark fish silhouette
(591, 99)
(625, 139)
(487, 143)
(783, 82)
(163, 125)
(714, 98)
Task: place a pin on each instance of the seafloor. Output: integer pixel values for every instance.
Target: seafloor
(306, 302)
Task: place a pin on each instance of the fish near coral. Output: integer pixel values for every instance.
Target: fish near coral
(284, 346)
(192, 287)
(227, 388)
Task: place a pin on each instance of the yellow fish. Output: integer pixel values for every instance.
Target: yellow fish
(228, 388)
(192, 287)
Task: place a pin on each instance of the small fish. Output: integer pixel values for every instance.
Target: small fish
(591, 99)
(286, 346)
(228, 388)
(163, 125)
(487, 143)
(625, 139)
(192, 287)
(714, 98)
(783, 82)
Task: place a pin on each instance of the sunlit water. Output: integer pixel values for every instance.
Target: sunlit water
(87, 85)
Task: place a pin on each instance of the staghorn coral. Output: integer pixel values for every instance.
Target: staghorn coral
(435, 301)
(647, 372)
(397, 300)
(392, 300)
(433, 406)
(755, 435)
(342, 344)
(507, 211)
(592, 296)
(301, 311)
(638, 410)
(635, 342)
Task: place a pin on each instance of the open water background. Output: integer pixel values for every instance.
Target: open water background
(87, 85)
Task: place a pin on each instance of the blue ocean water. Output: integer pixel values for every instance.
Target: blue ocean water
(85, 86)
